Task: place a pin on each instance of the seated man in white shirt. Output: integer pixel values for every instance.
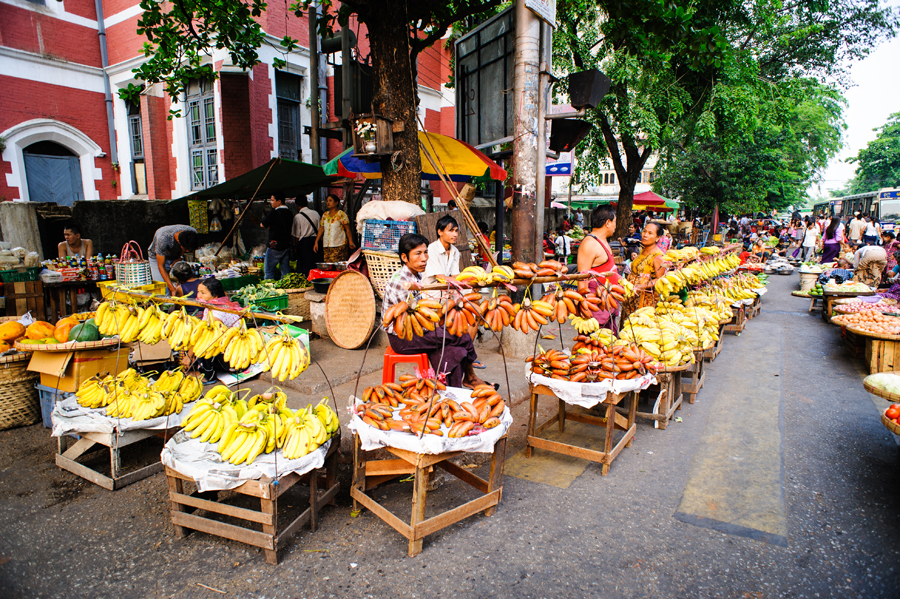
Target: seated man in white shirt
(443, 260)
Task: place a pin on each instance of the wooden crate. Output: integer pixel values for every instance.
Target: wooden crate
(370, 473)
(612, 421)
(186, 508)
(882, 355)
(66, 457)
(25, 297)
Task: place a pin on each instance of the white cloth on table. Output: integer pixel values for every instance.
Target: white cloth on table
(70, 417)
(588, 395)
(204, 465)
(372, 438)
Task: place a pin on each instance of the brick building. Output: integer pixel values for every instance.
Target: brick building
(68, 136)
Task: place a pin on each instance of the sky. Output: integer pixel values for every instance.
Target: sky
(874, 96)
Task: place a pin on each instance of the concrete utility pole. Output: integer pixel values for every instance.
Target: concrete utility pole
(528, 147)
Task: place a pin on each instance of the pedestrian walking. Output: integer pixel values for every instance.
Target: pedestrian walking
(303, 232)
(334, 232)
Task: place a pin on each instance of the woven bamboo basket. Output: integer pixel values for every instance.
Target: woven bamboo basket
(382, 266)
(298, 305)
(868, 386)
(350, 310)
(890, 425)
(19, 401)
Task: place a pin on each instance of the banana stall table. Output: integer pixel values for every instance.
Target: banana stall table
(420, 457)
(669, 398)
(268, 478)
(607, 393)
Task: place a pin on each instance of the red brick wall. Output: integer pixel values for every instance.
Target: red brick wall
(122, 41)
(29, 30)
(237, 154)
(260, 115)
(157, 147)
(83, 110)
(82, 8)
(111, 7)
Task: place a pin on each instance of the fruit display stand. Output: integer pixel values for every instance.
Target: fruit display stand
(670, 396)
(816, 301)
(92, 428)
(830, 297)
(195, 511)
(582, 397)
(692, 384)
(710, 354)
(419, 457)
(882, 353)
(738, 321)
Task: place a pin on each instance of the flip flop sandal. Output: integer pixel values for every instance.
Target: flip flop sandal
(478, 364)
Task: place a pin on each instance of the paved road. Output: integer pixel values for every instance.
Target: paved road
(779, 482)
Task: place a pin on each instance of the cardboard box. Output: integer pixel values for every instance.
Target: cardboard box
(144, 354)
(66, 371)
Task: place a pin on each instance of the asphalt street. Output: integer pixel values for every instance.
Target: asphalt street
(780, 481)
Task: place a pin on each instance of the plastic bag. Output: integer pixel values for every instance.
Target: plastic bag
(32, 259)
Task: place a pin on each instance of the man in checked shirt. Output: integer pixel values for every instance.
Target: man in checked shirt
(447, 353)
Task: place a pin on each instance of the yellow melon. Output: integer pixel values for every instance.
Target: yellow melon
(10, 331)
(39, 329)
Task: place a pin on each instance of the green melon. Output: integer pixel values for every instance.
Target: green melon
(84, 332)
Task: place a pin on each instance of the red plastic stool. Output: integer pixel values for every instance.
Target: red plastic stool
(391, 360)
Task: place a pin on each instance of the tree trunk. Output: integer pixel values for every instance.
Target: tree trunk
(395, 97)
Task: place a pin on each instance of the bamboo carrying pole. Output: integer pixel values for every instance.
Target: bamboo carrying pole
(574, 277)
(185, 302)
(247, 208)
(460, 203)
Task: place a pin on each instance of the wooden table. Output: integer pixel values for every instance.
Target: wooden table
(59, 296)
(67, 456)
(694, 382)
(370, 473)
(612, 421)
(738, 321)
(713, 352)
(670, 396)
(186, 507)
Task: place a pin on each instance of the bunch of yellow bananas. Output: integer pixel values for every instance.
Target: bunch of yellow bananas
(212, 415)
(711, 250)
(177, 329)
(242, 346)
(502, 274)
(475, 275)
(684, 254)
(150, 325)
(207, 336)
(585, 326)
(112, 318)
(669, 342)
(305, 433)
(93, 393)
(692, 274)
(285, 356)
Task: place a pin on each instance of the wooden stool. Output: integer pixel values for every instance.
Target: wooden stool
(185, 508)
(391, 360)
(67, 456)
(738, 321)
(670, 397)
(368, 474)
(612, 421)
(694, 382)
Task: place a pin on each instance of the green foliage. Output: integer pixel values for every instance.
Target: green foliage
(879, 162)
(768, 167)
(183, 34)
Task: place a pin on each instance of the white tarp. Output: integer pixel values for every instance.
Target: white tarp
(588, 395)
(373, 438)
(202, 462)
(69, 417)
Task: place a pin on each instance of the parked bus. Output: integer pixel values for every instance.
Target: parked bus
(883, 205)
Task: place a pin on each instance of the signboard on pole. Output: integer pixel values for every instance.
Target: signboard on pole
(545, 9)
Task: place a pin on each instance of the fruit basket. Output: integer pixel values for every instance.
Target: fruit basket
(890, 424)
(877, 390)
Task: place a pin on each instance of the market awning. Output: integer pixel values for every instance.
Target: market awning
(642, 201)
(290, 177)
(654, 201)
(461, 160)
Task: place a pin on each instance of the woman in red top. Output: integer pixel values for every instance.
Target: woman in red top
(595, 255)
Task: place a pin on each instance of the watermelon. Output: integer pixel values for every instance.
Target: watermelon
(84, 332)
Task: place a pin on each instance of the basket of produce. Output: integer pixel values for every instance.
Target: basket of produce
(870, 323)
(855, 306)
(891, 418)
(20, 404)
(884, 384)
(382, 266)
(20, 275)
(263, 296)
